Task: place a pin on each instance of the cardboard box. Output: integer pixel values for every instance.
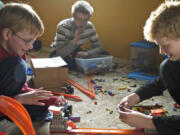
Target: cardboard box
(49, 73)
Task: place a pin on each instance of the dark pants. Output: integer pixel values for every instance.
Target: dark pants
(170, 74)
(70, 60)
(12, 79)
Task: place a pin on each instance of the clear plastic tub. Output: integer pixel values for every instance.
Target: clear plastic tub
(144, 57)
(95, 64)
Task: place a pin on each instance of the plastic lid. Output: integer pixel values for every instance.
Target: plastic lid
(141, 75)
(143, 44)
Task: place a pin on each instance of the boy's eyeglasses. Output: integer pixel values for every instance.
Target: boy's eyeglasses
(25, 40)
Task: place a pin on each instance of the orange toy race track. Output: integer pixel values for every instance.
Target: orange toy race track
(76, 98)
(101, 131)
(90, 84)
(17, 113)
(84, 90)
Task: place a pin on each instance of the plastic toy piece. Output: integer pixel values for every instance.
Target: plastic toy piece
(49, 116)
(97, 87)
(90, 84)
(95, 131)
(30, 71)
(115, 79)
(74, 119)
(55, 109)
(58, 123)
(33, 56)
(17, 113)
(147, 109)
(110, 93)
(73, 97)
(99, 80)
(129, 90)
(174, 109)
(122, 88)
(81, 88)
(71, 124)
(95, 102)
(158, 112)
(69, 89)
(176, 105)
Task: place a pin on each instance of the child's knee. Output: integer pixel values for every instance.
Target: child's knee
(12, 75)
(14, 68)
(20, 71)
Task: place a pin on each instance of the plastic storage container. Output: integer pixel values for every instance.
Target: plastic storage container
(95, 64)
(144, 56)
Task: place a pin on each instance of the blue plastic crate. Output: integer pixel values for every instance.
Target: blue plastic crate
(142, 76)
(144, 44)
(144, 56)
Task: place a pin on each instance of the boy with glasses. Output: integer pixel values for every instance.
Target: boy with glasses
(20, 26)
(72, 33)
(162, 27)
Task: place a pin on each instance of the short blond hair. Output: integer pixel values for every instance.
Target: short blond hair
(163, 22)
(20, 16)
(82, 7)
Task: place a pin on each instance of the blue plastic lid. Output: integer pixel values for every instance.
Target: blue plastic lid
(141, 75)
(143, 44)
(29, 71)
(164, 56)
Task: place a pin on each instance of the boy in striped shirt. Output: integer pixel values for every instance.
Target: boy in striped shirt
(72, 33)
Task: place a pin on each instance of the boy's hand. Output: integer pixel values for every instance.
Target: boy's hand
(129, 101)
(136, 119)
(34, 97)
(60, 102)
(77, 35)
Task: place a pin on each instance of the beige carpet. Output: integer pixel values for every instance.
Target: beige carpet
(104, 114)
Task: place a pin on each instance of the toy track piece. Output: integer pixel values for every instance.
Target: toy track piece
(73, 97)
(90, 84)
(98, 131)
(17, 113)
(81, 88)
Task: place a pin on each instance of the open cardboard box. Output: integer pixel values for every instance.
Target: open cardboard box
(49, 73)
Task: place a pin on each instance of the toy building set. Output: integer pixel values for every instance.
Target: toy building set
(61, 123)
(156, 110)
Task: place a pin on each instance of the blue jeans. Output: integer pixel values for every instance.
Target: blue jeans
(12, 76)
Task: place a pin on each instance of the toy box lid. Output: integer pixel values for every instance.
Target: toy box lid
(141, 75)
(143, 44)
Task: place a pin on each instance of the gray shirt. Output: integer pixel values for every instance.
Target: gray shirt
(65, 34)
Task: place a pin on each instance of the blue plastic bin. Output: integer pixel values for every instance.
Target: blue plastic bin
(144, 56)
(142, 76)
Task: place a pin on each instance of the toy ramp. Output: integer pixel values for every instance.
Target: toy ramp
(17, 113)
(99, 131)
